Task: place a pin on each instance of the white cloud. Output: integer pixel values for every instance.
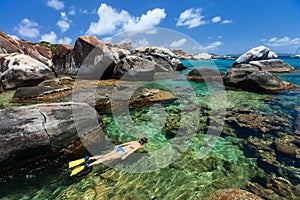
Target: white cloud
(277, 42)
(64, 22)
(215, 37)
(65, 40)
(191, 18)
(28, 28)
(178, 43)
(216, 19)
(112, 21)
(109, 21)
(212, 46)
(86, 11)
(72, 11)
(56, 4)
(148, 20)
(226, 21)
(52, 38)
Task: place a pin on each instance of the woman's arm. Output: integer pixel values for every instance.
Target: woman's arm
(126, 155)
(120, 145)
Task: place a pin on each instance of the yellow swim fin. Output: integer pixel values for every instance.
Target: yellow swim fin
(78, 162)
(78, 169)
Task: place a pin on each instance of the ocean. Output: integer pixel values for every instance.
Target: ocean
(229, 163)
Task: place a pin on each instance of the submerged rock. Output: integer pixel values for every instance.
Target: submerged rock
(249, 122)
(285, 150)
(19, 70)
(275, 188)
(30, 133)
(233, 194)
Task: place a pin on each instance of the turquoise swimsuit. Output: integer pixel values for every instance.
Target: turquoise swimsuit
(120, 149)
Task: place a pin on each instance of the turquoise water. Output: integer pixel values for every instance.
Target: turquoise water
(188, 177)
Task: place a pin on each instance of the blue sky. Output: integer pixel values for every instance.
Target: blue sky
(219, 26)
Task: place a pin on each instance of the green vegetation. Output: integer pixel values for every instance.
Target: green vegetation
(48, 45)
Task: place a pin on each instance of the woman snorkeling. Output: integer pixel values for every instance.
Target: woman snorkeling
(120, 151)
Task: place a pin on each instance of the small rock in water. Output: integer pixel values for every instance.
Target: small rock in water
(233, 194)
(89, 194)
(285, 150)
(30, 176)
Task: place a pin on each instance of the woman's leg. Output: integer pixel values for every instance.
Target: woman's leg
(109, 156)
(102, 156)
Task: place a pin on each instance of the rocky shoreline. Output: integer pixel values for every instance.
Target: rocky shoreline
(31, 133)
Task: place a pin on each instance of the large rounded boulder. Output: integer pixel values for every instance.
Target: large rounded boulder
(263, 59)
(19, 70)
(63, 61)
(161, 56)
(253, 70)
(30, 133)
(201, 74)
(93, 58)
(256, 81)
(10, 45)
(134, 68)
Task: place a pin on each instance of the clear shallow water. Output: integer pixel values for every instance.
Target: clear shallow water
(188, 177)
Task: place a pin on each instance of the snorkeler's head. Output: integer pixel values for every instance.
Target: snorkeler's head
(143, 140)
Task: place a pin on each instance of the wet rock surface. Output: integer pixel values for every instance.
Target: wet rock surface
(253, 70)
(233, 194)
(30, 133)
(120, 96)
(248, 123)
(201, 74)
(37, 91)
(256, 81)
(275, 188)
(267, 137)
